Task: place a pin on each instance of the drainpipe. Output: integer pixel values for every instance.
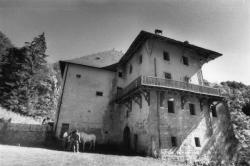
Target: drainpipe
(61, 98)
(158, 121)
(155, 69)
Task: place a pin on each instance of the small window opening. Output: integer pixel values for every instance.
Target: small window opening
(78, 76)
(174, 141)
(98, 93)
(170, 106)
(197, 142)
(120, 74)
(140, 59)
(214, 112)
(192, 109)
(185, 60)
(168, 75)
(166, 56)
(130, 69)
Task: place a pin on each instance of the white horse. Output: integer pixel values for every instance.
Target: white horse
(65, 140)
(91, 138)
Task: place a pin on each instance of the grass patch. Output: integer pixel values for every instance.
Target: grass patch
(27, 156)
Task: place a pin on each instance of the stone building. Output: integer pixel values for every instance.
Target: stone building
(150, 100)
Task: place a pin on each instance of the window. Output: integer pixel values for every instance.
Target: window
(78, 76)
(130, 68)
(197, 142)
(119, 90)
(186, 79)
(98, 93)
(65, 127)
(174, 141)
(170, 106)
(162, 96)
(168, 75)
(120, 74)
(192, 109)
(214, 113)
(185, 60)
(140, 59)
(166, 56)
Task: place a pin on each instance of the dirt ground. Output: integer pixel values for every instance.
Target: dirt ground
(28, 156)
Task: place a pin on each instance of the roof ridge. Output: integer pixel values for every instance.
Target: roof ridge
(99, 59)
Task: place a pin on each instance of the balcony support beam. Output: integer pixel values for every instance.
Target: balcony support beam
(146, 93)
(138, 99)
(214, 102)
(183, 101)
(128, 104)
(202, 103)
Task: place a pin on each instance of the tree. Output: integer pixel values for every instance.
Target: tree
(5, 44)
(29, 84)
(237, 96)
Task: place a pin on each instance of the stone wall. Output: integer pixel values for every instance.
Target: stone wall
(22, 134)
(215, 133)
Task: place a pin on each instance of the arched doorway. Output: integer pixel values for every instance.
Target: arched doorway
(126, 138)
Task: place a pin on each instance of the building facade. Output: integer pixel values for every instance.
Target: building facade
(151, 100)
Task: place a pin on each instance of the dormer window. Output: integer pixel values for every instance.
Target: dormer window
(166, 56)
(78, 75)
(185, 60)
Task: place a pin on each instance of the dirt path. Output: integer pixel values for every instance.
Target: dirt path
(26, 156)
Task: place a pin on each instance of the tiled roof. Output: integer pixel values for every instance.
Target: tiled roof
(99, 60)
(144, 36)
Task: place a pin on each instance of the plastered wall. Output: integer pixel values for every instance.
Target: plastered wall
(81, 107)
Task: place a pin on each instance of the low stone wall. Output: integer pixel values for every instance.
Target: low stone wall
(23, 134)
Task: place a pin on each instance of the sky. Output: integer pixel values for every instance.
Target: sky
(76, 28)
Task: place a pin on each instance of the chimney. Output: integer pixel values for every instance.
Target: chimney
(158, 32)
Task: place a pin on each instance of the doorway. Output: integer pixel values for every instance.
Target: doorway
(126, 138)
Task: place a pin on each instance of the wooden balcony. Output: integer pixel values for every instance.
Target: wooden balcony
(147, 81)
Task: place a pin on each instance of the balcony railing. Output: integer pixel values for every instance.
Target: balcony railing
(169, 84)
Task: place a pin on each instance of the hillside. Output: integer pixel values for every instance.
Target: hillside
(18, 118)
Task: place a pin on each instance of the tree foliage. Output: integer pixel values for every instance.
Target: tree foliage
(29, 83)
(237, 96)
(5, 44)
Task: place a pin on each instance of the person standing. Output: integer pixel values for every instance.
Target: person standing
(75, 141)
